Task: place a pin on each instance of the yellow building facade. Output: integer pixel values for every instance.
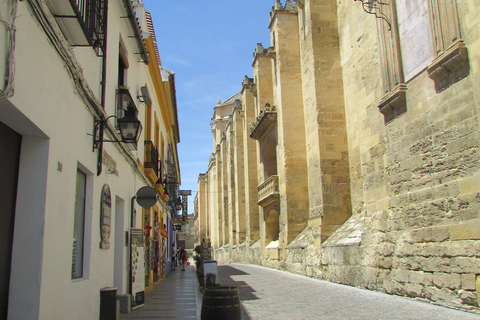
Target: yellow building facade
(352, 155)
(160, 164)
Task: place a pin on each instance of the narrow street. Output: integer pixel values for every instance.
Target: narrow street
(272, 294)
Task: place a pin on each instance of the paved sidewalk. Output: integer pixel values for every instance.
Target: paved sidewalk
(272, 294)
(174, 298)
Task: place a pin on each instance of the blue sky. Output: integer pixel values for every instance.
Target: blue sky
(209, 46)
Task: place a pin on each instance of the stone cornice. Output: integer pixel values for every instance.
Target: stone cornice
(263, 122)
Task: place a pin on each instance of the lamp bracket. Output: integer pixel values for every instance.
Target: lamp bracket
(374, 7)
(98, 133)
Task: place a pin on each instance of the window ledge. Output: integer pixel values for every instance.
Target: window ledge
(394, 103)
(450, 66)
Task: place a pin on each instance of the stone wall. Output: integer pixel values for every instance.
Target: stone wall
(414, 202)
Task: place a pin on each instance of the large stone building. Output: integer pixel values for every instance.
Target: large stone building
(352, 155)
(75, 72)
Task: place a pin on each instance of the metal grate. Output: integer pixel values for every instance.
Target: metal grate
(92, 15)
(151, 159)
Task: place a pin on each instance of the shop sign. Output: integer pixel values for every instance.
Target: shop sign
(210, 272)
(105, 217)
(137, 268)
(177, 220)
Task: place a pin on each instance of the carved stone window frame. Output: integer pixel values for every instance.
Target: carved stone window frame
(394, 101)
(450, 63)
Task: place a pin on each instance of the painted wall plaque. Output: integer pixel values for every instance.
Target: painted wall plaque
(105, 217)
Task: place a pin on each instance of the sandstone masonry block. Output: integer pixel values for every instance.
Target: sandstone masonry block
(468, 281)
(430, 234)
(446, 280)
(478, 289)
(413, 290)
(468, 297)
(465, 265)
(470, 185)
(385, 249)
(400, 275)
(423, 278)
(384, 262)
(465, 231)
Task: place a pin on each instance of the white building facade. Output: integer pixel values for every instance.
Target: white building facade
(72, 205)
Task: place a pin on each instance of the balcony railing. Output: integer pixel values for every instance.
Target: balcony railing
(268, 192)
(84, 22)
(151, 157)
(94, 16)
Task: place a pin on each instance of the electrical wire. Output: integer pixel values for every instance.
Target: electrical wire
(10, 56)
(41, 13)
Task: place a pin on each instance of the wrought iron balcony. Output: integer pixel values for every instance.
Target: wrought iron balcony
(84, 22)
(268, 192)
(151, 157)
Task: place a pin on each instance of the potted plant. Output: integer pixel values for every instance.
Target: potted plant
(197, 257)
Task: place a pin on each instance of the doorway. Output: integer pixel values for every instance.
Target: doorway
(9, 163)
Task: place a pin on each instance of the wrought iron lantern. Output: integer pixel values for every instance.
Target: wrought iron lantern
(130, 129)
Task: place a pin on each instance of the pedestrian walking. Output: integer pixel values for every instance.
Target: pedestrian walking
(183, 254)
(174, 257)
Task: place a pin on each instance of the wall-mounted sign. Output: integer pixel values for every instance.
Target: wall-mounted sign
(147, 197)
(178, 220)
(210, 272)
(109, 163)
(105, 217)
(184, 192)
(137, 268)
(184, 206)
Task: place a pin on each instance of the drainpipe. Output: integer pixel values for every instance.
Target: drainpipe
(104, 59)
(132, 213)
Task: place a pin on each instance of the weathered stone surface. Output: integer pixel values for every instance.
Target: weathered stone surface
(446, 280)
(390, 206)
(433, 234)
(478, 290)
(468, 281)
(468, 297)
(465, 231)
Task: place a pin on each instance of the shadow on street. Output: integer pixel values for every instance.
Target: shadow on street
(246, 292)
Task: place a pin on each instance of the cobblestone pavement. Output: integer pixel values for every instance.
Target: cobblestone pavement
(272, 294)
